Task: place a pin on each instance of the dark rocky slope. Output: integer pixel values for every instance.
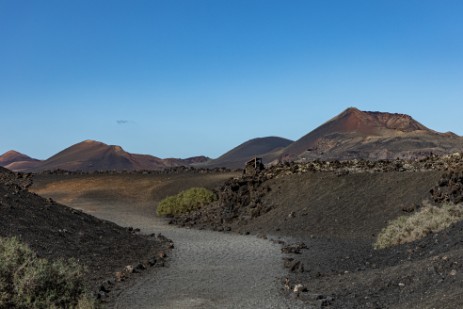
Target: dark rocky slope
(327, 214)
(56, 231)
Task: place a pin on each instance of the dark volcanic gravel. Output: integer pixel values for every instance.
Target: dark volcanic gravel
(56, 231)
(336, 209)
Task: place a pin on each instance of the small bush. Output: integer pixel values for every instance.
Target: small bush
(428, 219)
(185, 201)
(27, 281)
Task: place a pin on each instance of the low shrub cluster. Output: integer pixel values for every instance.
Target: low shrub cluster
(185, 201)
(429, 219)
(27, 281)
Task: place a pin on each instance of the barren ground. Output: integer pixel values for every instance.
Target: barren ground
(56, 231)
(336, 215)
(206, 270)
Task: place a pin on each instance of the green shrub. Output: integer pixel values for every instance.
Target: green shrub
(428, 219)
(185, 201)
(27, 281)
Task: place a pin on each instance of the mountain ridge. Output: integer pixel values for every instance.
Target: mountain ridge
(256, 147)
(371, 135)
(90, 155)
(352, 134)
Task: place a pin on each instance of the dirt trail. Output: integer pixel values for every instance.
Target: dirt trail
(206, 269)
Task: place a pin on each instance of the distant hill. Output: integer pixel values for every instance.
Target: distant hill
(353, 134)
(17, 161)
(14, 156)
(91, 155)
(371, 135)
(23, 166)
(257, 147)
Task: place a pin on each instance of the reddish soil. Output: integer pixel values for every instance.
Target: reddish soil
(370, 135)
(91, 155)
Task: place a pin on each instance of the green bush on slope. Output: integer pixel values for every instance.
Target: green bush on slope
(429, 219)
(27, 281)
(185, 201)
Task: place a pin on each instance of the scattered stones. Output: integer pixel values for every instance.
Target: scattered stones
(287, 286)
(298, 288)
(129, 269)
(297, 267)
(163, 238)
(152, 261)
(295, 248)
(105, 287)
(166, 171)
(138, 268)
(449, 188)
(119, 276)
(162, 254)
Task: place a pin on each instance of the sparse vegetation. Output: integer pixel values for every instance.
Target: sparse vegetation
(27, 281)
(185, 201)
(429, 219)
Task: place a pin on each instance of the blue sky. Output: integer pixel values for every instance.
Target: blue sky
(183, 78)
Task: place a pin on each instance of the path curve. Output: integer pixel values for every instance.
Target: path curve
(207, 270)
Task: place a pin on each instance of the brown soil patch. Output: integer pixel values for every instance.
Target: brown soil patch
(134, 192)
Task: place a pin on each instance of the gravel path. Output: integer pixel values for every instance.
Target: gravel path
(207, 270)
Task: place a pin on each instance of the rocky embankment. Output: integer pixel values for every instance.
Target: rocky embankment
(242, 199)
(167, 171)
(449, 188)
(326, 216)
(110, 252)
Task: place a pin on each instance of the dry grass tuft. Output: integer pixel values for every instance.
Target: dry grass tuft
(429, 219)
(27, 281)
(185, 201)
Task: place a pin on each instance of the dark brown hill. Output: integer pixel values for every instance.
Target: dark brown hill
(17, 161)
(356, 134)
(172, 162)
(92, 155)
(23, 166)
(257, 147)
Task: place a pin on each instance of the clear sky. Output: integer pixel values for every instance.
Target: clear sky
(182, 78)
